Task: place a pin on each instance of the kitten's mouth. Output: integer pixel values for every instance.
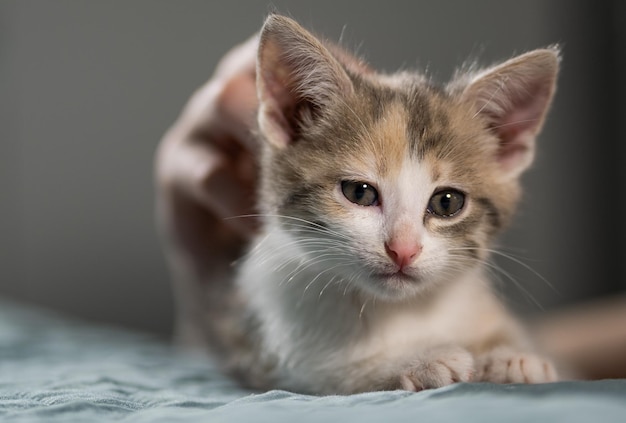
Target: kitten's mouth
(395, 284)
(397, 277)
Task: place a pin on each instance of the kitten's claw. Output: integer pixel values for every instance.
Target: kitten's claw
(508, 366)
(437, 368)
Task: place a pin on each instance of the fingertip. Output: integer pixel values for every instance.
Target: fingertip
(238, 108)
(239, 59)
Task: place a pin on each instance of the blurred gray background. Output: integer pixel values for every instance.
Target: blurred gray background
(88, 88)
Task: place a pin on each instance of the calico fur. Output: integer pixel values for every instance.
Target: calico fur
(325, 307)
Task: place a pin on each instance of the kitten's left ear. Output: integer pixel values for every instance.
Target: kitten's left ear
(297, 78)
(514, 98)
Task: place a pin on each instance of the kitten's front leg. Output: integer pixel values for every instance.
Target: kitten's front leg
(436, 368)
(505, 365)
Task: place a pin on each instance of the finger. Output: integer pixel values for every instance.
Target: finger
(237, 106)
(231, 197)
(236, 98)
(222, 185)
(222, 114)
(240, 59)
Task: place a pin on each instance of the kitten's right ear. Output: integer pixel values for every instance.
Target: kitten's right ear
(513, 99)
(297, 79)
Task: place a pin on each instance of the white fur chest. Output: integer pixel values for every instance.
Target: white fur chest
(303, 313)
(312, 331)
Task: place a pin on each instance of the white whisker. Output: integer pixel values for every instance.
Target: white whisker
(513, 123)
(362, 309)
(515, 260)
(497, 90)
(504, 273)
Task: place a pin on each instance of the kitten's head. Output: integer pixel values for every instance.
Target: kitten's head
(394, 183)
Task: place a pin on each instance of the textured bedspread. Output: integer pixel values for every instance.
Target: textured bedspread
(54, 369)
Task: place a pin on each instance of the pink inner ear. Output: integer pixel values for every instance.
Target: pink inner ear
(276, 127)
(276, 102)
(518, 126)
(516, 141)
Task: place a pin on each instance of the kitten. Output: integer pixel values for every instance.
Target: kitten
(380, 196)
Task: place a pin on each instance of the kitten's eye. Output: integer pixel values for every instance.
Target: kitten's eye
(360, 193)
(446, 203)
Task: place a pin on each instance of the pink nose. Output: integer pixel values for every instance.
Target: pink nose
(403, 253)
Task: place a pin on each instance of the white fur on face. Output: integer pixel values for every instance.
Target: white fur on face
(404, 195)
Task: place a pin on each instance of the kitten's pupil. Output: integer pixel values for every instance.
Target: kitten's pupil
(446, 200)
(446, 203)
(360, 193)
(360, 190)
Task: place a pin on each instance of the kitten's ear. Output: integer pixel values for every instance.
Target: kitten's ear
(297, 79)
(514, 98)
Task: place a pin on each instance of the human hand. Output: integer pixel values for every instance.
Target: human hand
(206, 172)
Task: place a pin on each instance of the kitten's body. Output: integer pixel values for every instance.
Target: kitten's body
(348, 295)
(340, 342)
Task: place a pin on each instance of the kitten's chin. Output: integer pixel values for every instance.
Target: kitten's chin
(396, 285)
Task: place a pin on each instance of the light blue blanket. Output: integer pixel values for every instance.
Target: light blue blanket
(53, 369)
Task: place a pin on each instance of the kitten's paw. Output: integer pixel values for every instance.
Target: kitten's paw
(437, 368)
(509, 366)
